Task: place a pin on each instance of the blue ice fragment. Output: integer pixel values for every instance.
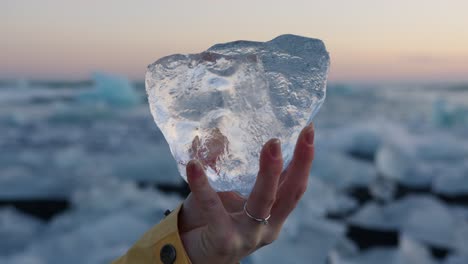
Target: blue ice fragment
(112, 90)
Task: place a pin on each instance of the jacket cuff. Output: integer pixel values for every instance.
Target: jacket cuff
(170, 248)
(160, 245)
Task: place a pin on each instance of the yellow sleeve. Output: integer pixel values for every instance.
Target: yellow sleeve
(160, 245)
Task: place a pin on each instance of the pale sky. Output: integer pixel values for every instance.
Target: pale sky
(368, 40)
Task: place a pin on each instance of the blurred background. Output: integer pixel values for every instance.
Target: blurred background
(84, 170)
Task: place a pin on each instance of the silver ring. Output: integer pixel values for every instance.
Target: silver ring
(260, 220)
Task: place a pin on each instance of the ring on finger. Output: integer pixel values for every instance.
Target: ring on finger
(258, 219)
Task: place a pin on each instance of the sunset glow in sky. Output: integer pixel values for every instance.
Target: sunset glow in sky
(368, 40)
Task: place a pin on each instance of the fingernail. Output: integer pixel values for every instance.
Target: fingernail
(194, 168)
(275, 148)
(309, 136)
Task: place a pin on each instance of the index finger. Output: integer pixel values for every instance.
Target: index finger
(206, 199)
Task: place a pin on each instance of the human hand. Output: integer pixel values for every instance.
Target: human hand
(214, 227)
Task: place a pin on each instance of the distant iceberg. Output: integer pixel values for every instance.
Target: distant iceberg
(112, 90)
(100, 101)
(445, 115)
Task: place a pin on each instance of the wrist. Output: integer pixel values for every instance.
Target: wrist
(199, 251)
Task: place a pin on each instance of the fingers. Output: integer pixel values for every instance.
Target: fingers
(263, 194)
(188, 216)
(296, 176)
(232, 201)
(205, 197)
(190, 213)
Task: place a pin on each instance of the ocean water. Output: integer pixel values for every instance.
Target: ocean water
(79, 161)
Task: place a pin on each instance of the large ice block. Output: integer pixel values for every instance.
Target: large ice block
(220, 106)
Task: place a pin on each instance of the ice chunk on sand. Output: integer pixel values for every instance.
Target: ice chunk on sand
(316, 238)
(331, 166)
(408, 252)
(17, 230)
(420, 217)
(454, 180)
(222, 105)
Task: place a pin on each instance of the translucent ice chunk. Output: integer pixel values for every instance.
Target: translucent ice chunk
(222, 105)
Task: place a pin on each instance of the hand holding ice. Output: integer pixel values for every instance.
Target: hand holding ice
(222, 105)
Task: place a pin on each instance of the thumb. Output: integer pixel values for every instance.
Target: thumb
(206, 198)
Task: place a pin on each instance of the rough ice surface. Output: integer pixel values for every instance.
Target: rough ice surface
(222, 105)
